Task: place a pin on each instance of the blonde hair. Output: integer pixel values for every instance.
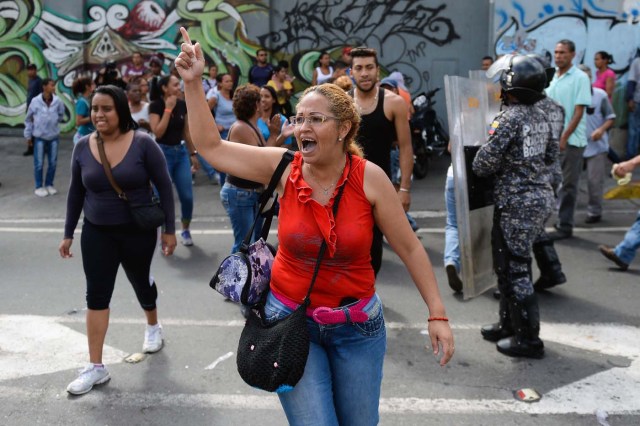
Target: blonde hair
(343, 108)
(344, 82)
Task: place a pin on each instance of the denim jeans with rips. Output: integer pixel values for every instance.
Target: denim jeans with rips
(343, 375)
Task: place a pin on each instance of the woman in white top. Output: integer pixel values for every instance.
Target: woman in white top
(139, 108)
(324, 72)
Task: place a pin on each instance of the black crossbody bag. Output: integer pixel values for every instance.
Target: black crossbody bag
(272, 356)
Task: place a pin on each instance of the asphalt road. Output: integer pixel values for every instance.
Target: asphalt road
(590, 325)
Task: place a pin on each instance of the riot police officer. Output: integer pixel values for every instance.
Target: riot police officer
(518, 153)
(544, 251)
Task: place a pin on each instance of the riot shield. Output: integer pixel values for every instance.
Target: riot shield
(493, 92)
(468, 109)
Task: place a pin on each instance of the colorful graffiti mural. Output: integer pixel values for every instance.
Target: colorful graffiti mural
(65, 47)
(17, 20)
(609, 25)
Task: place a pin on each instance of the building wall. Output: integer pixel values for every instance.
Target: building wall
(593, 25)
(420, 38)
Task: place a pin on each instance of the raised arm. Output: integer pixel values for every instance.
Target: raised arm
(244, 161)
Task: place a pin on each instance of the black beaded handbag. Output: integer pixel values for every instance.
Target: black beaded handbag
(272, 356)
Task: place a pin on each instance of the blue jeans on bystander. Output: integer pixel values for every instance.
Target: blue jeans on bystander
(451, 239)
(42, 148)
(627, 248)
(179, 167)
(241, 206)
(343, 375)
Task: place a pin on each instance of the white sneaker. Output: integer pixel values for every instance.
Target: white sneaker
(153, 340)
(51, 190)
(41, 192)
(186, 238)
(91, 375)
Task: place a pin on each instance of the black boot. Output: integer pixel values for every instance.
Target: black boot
(550, 268)
(525, 319)
(501, 329)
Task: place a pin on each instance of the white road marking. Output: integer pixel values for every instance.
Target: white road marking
(25, 230)
(34, 345)
(218, 361)
(417, 214)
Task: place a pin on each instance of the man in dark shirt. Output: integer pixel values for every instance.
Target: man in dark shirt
(261, 72)
(384, 120)
(34, 88)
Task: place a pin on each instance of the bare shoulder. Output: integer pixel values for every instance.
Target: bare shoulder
(395, 103)
(376, 182)
(243, 133)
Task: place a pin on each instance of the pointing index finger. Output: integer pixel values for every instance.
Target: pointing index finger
(185, 35)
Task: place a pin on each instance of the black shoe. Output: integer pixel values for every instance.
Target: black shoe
(593, 219)
(610, 254)
(512, 346)
(544, 282)
(560, 234)
(454, 279)
(495, 332)
(28, 152)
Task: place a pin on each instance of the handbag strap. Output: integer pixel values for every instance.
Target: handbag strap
(323, 246)
(258, 134)
(107, 168)
(287, 157)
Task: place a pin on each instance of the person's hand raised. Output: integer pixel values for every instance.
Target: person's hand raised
(190, 61)
(274, 124)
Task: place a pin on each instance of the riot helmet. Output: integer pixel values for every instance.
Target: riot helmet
(548, 69)
(525, 79)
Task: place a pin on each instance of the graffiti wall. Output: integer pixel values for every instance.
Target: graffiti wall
(420, 38)
(593, 25)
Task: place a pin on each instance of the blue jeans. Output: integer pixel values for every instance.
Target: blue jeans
(210, 171)
(395, 179)
(451, 239)
(627, 248)
(180, 171)
(633, 140)
(223, 176)
(343, 375)
(41, 148)
(241, 206)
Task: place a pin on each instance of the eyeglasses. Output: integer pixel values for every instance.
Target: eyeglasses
(314, 120)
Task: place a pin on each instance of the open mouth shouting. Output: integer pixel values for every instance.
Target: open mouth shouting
(308, 145)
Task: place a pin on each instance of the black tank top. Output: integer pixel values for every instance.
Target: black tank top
(376, 135)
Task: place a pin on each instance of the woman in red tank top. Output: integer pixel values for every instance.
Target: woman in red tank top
(343, 375)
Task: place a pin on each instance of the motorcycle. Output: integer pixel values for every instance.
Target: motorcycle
(428, 135)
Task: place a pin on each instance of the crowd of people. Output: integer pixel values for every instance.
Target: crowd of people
(351, 132)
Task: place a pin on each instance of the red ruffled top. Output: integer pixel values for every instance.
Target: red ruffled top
(302, 225)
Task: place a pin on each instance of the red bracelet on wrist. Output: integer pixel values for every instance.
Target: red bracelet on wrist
(168, 110)
(437, 319)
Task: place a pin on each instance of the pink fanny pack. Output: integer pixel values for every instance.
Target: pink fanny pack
(324, 315)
